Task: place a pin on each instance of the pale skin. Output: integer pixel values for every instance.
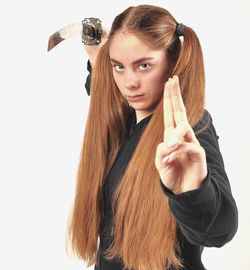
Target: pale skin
(138, 70)
(182, 167)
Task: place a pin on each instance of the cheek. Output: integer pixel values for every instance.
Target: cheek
(117, 80)
(157, 80)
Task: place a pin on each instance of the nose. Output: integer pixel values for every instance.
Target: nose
(131, 80)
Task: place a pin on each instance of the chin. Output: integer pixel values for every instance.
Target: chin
(144, 107)
(137, 106)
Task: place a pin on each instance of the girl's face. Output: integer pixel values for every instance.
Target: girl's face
(138, 70)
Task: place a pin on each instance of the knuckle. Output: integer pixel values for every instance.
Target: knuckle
(185, 125)
(160, 146)
(203, 151)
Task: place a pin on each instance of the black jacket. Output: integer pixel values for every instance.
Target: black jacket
(206, 216)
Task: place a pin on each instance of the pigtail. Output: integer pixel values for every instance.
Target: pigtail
(189, 67)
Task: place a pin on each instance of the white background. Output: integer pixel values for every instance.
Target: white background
(43, 107)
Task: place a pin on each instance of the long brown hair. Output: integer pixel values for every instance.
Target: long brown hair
(145, 230)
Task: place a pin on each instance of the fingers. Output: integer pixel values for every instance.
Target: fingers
(93, 51)
(168, 114)
(193, 151)
(176, 124)
(177, 102)
(163, 150)
(184, 132)
(105, 32)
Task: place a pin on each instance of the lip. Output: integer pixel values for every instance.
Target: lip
(134, 98)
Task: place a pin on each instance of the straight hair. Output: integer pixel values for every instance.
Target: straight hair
(145, 230)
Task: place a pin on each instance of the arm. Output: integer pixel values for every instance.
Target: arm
(88, 79)
(208, 215)
(92, 52)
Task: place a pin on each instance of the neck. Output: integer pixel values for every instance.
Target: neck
(140, 115)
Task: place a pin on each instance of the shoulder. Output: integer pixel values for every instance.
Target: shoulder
(205, 130)
(205, 124)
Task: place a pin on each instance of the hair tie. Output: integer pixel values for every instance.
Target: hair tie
(179, 29)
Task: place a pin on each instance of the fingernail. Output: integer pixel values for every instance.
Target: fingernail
(172, 143)
(165, 159)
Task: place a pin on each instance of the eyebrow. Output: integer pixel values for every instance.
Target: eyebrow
(135, 62)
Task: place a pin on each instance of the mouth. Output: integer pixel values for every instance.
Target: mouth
(133, 98)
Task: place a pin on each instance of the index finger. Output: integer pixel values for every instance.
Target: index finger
(168, 114)
(179, 109)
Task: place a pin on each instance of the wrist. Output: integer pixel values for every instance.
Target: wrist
(91, 56)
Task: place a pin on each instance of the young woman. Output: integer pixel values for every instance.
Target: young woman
(151, 190)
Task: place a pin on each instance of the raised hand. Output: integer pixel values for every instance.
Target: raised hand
(92, 50)
(180, 159)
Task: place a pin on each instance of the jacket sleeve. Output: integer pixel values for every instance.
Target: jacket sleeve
(207, 216)
(88, 79)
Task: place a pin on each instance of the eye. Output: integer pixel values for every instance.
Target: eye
(144, 66)
(118, 68)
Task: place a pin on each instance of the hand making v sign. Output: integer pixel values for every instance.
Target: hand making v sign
(180, 159)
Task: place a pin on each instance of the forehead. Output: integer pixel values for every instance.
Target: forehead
(128, 46)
